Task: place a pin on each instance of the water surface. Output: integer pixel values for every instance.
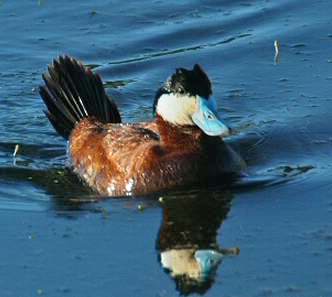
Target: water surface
(56, 240)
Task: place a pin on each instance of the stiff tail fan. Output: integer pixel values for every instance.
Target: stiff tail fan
(72, 93)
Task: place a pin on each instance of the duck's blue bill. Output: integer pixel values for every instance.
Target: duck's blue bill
(206, 119)
(208, 260)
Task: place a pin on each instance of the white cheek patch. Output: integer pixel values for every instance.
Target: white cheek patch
(176, 108)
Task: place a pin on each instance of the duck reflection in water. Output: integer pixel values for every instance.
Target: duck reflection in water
(187, 239)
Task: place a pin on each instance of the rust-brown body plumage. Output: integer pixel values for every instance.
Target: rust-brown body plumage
(127, 159)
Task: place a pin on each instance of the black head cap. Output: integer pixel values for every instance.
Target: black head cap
(192, 82)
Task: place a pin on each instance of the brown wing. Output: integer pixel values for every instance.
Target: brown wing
(105, 156)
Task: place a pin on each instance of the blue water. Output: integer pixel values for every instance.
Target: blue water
(57, 240)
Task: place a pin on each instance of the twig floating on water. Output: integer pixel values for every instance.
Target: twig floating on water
(277, 51)
(16, 150)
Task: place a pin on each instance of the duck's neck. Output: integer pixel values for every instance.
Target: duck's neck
(179, 135)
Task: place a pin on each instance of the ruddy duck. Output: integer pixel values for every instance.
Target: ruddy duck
(183, 146)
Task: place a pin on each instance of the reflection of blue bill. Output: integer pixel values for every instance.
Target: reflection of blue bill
(208, 261)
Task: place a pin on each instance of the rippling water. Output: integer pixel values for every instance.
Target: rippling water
(56, 240)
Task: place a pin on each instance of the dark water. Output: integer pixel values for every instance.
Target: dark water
(54, 244)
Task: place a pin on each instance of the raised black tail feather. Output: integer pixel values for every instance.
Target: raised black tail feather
(73, 92)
